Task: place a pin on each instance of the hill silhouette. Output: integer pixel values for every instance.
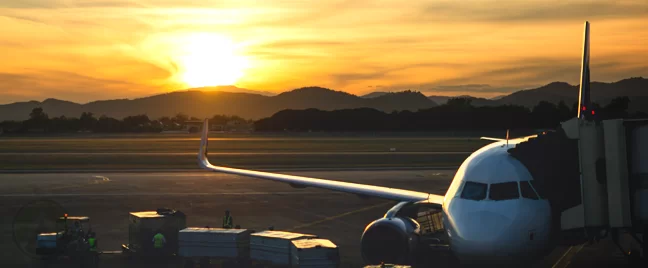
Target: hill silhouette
(208, 103)
(458, 114)
(635, 88)
(374, 94)
(476, 101)
(217, 100)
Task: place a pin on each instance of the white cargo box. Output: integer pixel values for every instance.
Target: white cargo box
(274, 246)
(214, 242)
(46, 240)
(321, 253)
(388, 266)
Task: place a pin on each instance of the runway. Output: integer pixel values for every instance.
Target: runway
(230, 153)
(255, 204)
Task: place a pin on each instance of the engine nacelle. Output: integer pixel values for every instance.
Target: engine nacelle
(390, 240)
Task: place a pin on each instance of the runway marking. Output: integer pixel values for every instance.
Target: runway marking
(338, 216)
(95, 180)
(163, 194)
(566, 258)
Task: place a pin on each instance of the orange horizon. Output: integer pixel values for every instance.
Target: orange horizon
(83, 50)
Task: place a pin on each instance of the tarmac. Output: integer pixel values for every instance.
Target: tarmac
(108, 197)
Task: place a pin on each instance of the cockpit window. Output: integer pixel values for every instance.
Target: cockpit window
(527, 191)
(538, 189)
(474, 191)
(504, 191)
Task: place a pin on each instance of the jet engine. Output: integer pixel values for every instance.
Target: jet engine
(390, 240)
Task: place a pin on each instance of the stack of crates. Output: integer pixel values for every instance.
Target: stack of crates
(274, 246)
(214, 243)
(321, 253)
(145, 224)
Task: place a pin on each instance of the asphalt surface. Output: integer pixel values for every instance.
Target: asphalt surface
(232, 153)
(255, 204)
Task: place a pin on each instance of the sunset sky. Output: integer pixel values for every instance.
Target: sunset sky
(85, 50)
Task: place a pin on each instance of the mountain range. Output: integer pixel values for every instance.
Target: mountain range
(206, 102)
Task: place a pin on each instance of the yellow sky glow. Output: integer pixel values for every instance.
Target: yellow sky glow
(84, 50)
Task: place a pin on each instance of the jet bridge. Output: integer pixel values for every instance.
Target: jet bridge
(614, 174)
(595, 175)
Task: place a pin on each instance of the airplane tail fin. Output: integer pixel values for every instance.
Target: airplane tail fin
(584, 103)
(204, 141)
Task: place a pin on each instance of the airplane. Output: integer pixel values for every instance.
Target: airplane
(491, 213)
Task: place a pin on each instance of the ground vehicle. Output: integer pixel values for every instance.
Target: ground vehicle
(70, 239)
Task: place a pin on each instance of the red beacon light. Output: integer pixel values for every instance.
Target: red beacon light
(592, 112)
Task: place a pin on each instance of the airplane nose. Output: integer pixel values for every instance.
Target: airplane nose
(484, 235)
(484, 226)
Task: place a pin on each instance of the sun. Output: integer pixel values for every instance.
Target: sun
(211, 60)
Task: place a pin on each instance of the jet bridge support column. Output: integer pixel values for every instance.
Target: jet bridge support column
(638, 143)
(592, 213)
(616, 159)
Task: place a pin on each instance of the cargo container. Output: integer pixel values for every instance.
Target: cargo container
(142, 226)
(274, 246)
(214, 242)
(321, 253)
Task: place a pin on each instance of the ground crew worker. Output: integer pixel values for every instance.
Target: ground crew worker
(227, 220)
(159, 241)
(92, 242)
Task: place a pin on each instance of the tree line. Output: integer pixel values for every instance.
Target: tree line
(39, 121)
(457, 114)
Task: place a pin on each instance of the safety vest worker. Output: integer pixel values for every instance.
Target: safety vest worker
(92, 242)
(159, 240)
(227, 220)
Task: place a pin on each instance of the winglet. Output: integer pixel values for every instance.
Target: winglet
(204, 141)
(584, 104)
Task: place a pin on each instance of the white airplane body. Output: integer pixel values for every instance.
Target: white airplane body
(491, 211)
(488, 215)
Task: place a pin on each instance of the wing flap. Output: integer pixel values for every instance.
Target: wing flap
(354, 188)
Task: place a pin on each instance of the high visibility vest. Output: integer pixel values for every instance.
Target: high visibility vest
(92, 242)
(158, 240)
(227, 222)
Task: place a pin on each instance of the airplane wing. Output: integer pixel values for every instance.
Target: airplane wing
(491, 139)
(299, 181)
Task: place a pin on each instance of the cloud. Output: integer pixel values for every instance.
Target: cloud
(342, 79)
(296, 43)
(531, 11)
(28, 4)
(510, 76)
(344, 44)
(23, 18)
(63, 85)
(60, 4)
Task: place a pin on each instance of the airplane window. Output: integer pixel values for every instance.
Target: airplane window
(474, 191)
(538, 189)
(504, 191)
(527, 191)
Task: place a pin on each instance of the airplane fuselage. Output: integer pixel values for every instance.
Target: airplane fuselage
(491, 210)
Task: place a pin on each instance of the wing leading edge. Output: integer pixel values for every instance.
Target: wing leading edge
(354, 188)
